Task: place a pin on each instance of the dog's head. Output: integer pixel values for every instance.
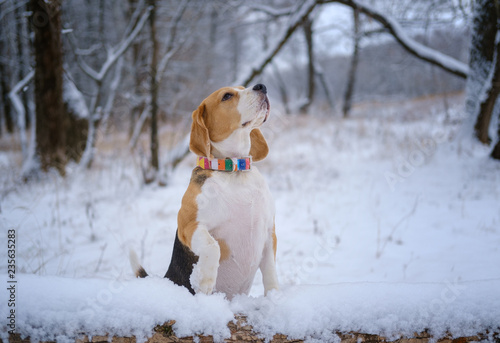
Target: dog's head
(226, 124)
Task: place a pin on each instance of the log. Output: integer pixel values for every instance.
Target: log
(241, 331)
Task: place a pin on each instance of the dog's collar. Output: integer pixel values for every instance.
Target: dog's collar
(227, 164)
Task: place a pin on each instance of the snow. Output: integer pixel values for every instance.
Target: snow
(355, 252)
(421, 50)
(388, 309)
(74, 99)
(266, 57)
(60, 308)
(116, 52)
(18, 105)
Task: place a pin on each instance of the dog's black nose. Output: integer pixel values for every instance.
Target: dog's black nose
(260, 88)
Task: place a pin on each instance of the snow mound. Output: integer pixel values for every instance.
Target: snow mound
(56, 308)
(388, 309)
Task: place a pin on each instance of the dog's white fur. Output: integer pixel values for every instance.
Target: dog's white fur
(238, 209)
(226, 221)
(241, 213)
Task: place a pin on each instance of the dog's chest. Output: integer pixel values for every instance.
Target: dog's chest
(241, 198)
(239, 212)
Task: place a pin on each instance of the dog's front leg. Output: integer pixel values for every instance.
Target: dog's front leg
(205, 270)
(268, 266)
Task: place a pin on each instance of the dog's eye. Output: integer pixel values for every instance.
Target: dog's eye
(227, 96)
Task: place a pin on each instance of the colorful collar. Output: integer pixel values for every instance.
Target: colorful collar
(227, 164)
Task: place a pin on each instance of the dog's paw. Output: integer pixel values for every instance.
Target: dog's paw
(203, 281)
(206, 286)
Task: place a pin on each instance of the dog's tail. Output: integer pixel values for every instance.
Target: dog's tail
(136, 266)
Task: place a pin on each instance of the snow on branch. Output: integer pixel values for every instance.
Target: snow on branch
(21, 84)
(18, 105)
(268, 56)
(123, 46)
(114, 53)
(135, 16)
(274, 12)
(171, 47)
(417, 49)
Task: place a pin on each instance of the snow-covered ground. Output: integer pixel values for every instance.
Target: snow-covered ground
(386, 224)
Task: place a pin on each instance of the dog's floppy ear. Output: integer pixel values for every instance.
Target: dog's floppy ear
(199, 142)
(259, 148)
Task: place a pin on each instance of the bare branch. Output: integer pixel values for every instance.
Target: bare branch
(89, 51)
(295, 22)
(18, 105)
(134, 18)
(122, 47)
(21, 84)
(115, 83)
(138, 126)
(175, 24)
(164, 62)
(81, 62)
(171, 49)
(417, 49)
(273, 11)
(113, 54)
(13, 8)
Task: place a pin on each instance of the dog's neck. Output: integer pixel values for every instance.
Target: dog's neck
(227, 164)
(237, 145)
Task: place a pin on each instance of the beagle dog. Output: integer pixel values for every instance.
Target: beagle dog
(226, 221)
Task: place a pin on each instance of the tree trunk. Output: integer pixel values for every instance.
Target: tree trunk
(496, 150)
(282, 88)
(481, 65)
(487, 105)
(324, 83)
(20, 24)
(235, 44)
(51, 122)
(297, 18)
(346, 108)
(210, 53)
(101, 20)
(154, 89)
(308, 34)
(6, 108)
(495, 87)
(4, 85)
(137, 106)
(241, 331)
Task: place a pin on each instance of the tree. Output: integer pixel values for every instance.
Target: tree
(481, 61)
(346, 108)
(157, 69)
(51, 122)
(307, 26)
(488, 106)
(154, 88)
(295, 21)
(4, 81)
(483, 85)
(491, 100)
(417, 49)
(138, 101)
(21, 53)
(114, 55)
